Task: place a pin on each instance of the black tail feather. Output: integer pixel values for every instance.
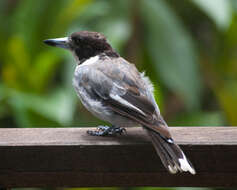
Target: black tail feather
(170, 154)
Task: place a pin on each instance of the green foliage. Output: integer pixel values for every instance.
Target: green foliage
(188, 49)
(172, 52)
(219, 11)
(33, 94)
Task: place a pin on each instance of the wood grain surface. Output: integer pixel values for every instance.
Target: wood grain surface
(68, 157)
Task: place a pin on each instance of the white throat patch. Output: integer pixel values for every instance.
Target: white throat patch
(91, 60)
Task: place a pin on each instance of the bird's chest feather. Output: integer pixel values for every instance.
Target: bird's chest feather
(86, 94)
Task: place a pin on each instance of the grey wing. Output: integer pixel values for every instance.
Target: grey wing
(124, 93)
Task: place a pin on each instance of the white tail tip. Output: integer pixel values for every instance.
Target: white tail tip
(173, 170)
(185, 166)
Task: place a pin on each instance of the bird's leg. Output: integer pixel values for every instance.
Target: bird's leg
(107, 131)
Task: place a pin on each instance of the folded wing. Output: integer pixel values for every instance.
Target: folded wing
(123, 95)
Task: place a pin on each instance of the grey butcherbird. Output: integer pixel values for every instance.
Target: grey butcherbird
(113, 89)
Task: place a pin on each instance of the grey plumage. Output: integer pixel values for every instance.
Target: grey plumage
(98, 83)
(115, 91)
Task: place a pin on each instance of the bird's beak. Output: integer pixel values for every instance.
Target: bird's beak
(58, 42)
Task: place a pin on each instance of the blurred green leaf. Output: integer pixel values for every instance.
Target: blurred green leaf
(17, 63)
(172, 51)
(26, 22)
(234, 5)
(43, 69)
(199, 119)
(70, 12)
(58, 106)
(227, 96)
(156, 37)
(219, 11)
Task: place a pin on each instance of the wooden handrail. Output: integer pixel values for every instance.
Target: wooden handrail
(68, 157)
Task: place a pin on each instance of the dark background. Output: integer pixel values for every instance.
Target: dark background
(187, 48)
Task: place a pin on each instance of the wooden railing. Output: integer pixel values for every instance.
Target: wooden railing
(68, 157)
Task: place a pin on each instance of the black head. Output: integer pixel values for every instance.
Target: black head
(84, 44)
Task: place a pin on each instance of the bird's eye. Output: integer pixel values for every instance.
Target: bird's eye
(77, 40)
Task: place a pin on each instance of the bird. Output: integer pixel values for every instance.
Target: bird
(113, 90)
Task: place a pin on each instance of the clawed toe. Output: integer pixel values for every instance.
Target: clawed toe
(107, 131)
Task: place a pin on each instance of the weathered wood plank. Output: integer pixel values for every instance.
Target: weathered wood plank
(68, 157)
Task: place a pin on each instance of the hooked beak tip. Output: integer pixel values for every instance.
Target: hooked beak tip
(49, 42)
(58, 42)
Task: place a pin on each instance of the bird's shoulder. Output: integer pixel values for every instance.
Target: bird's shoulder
(121, 71)
(116, 72)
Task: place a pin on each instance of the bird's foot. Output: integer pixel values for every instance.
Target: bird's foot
(107, 131)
